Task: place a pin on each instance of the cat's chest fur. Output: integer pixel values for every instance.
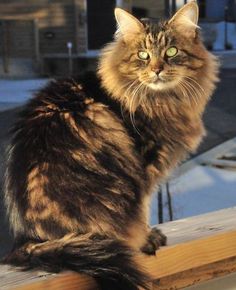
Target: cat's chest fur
(165, 140)
(160, 140)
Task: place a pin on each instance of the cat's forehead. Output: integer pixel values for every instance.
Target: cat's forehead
(156, 33)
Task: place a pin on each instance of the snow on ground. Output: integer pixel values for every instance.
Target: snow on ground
(200, 190)
(16, 92)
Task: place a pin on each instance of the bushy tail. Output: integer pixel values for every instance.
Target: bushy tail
(107, 260)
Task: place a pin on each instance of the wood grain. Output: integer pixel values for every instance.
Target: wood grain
(68, 281)
(182, 257)
(200, 248)
(196, 275)
(200, 226)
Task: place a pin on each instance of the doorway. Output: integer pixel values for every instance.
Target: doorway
(100, 22)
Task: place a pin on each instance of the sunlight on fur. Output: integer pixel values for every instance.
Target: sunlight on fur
(87, 152)
(135, 81)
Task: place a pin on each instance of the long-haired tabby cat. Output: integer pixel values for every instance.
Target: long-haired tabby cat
(87, 153)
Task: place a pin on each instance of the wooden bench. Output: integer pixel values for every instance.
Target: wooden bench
(199, 248)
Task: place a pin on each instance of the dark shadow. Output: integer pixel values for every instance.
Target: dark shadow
(6, 120)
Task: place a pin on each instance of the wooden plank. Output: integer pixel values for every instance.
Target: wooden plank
(11, 278)
(222, 283)
(200, 248)
(182, 257)
(68, 281)
(200, 226)
(197, 275)
(198, 258)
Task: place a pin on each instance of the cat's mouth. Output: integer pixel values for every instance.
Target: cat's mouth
(159, 79)
(161, 83)
(158, 83)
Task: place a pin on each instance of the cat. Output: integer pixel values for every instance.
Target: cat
(87, 153)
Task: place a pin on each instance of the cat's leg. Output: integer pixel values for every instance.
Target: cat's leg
(155, 240)
(154, 237)
(141, 237)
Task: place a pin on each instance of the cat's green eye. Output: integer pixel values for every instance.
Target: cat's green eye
(143, 55)
(172, 51)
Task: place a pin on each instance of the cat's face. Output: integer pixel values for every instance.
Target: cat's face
(160, 56)
(162, 61)
(150, 64)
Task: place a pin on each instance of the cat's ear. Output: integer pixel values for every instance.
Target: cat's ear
(127, 24)
(185, 19)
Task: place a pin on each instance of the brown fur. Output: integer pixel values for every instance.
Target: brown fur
(87, 154)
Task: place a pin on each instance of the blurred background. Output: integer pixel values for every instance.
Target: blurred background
(61, 37)
(44, 39)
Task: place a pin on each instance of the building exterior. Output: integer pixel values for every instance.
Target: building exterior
(210, 10)
(53, 37)
(217, 20)
(61, 37)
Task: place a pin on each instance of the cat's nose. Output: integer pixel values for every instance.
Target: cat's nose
(157, 69)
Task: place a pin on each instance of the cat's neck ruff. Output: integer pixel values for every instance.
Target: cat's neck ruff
(129, 92)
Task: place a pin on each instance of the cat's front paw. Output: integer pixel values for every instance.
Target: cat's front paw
(155, 240)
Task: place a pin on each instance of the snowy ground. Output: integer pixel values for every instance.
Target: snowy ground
(15, 92)
(199, 190)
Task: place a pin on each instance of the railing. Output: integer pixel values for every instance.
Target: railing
(199, 248)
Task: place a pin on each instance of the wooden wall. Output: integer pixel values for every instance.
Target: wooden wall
(42, 28)
(64, 20)
(19, 36)
(59, 22)
(81, 33)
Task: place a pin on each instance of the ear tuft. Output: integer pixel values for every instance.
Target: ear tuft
(186, 18)
(127, 24)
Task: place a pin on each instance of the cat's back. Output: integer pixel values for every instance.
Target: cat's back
(70, 102)
(66, 115)
(64, 95)
(69, 146)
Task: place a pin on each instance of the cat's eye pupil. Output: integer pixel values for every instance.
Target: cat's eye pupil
(172, 51)
(143, 55)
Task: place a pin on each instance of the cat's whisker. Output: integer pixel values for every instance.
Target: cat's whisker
(137, 96)
(191, 93)
(143, 92)
(190, 88)
(129, 84)
(133, 106)
(192, 79)
(195, 82)
(194, 91)
(184, 91)
(144, 95)
(127, 93)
